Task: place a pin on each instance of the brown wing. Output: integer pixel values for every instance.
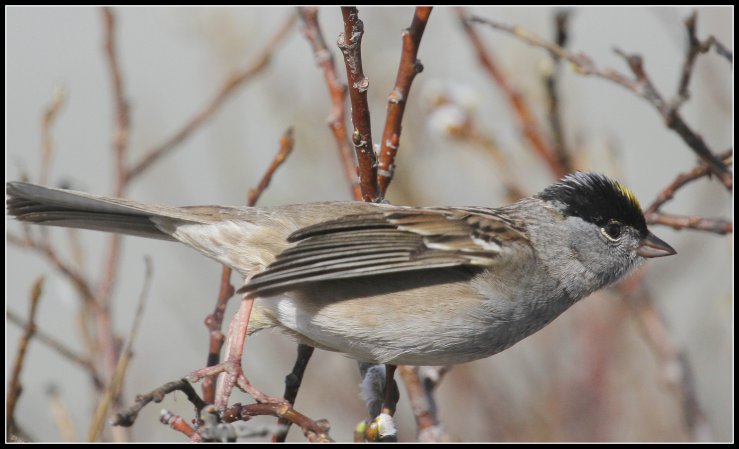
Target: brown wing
(398, 240)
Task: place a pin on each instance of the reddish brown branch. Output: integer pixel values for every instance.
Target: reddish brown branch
(235, 81)
(214, 321)
(14, 386)
(420, 394)
(337, 91)
(350, 43)
(408, 68)
(682, 179)
(641, 85)
(523, 112)
(677, 222)
(286, 146)
(177, 423)
(314, 431)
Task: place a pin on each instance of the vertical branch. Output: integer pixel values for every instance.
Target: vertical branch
(103, 319)
(214, 321)
(14, 386)
(523, 112)
(337, 91)
(561, 20)
(47, 146)
(122, 120)
(350, 43)
(113, 389)
(408, 68)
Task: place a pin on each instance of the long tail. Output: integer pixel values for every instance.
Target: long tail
(56, 207)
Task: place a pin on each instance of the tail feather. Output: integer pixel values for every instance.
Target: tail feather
(56, 207)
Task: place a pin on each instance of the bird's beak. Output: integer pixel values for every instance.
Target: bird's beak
(653, 246)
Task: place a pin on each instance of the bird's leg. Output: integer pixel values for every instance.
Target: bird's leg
(292, 384)
(392, 395)
(230, 372)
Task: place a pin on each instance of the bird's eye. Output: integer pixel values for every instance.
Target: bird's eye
(612, 230)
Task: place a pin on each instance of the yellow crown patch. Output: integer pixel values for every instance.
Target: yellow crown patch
(626, 192)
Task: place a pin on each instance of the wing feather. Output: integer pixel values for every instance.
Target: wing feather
(390, 241)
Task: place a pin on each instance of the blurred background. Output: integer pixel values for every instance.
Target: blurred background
(589, 376)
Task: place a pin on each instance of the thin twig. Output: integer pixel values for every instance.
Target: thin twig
(682, 179)
(695, 48)
(61, 349)
(62, 416)
(14, 386)
(287, 142)
(128, 417)
(720, 226)
(314, 431)
(350, 43)
(641, 85)
(78, 280)
(408, 68)
(108, 341)
(214, 321)
(233, 82)
(122, 119)
(47, 145)
(116, 383)
(551, 81)
(523, 112)
(337, 90)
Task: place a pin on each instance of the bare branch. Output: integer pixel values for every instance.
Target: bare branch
(682, 179)
(350, 43)
(214, 321)
(47, 146)
(337, 91)
(286, 146)
(128, 417)
(551, 80)
(122, 119)
(408, 68)
(77, 280)
(233, 82)
(641, 85)
(58, 347)
(14, 386)
(678, 222)
(113, 389)
(314, 431)
(523, 112)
